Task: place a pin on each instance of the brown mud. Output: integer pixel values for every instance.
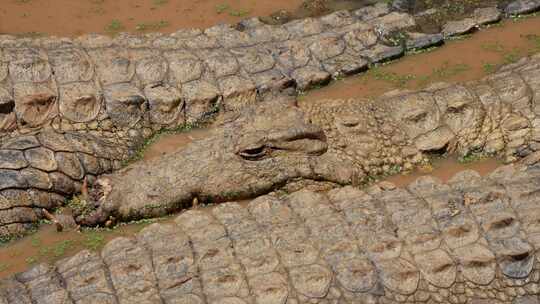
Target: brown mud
(461, 60)
(171, 142)
(74, 18)
(444, 169)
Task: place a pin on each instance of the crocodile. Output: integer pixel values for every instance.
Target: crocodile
(271, 144)
(338, 141)
(470, 240)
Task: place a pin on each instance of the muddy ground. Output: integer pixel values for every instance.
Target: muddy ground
(74, 18)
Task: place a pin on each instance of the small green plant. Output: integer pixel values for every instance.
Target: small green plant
(239, 12)
(449, 70)
(154, 26)
(160, 2)
(35, 241)
(511, 56)
(470, 157)
(94, 241)
(44, 251)
(31, 260)
(224, 7)
(394, 78)
(60, 248)
(495, 46)
(4, 267)
(57, 250)
(394, 169)
(114, 26)
(221, 8)
(489, 67)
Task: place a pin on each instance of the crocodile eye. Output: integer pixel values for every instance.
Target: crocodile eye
(253, 153)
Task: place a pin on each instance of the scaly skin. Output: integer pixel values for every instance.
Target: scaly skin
(472, 240)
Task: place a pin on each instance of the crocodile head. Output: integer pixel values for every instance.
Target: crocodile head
(275, 134)
(264, 148)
